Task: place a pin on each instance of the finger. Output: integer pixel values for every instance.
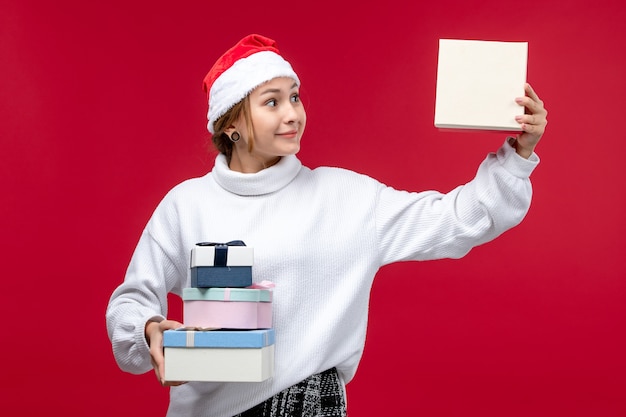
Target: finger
(157, 371)
(535, 130)
(528, 119)
(157, 358)
(530, 92)
(536, 105)
(527, 102)
(173, 383)
(531, 106)
(169, 325)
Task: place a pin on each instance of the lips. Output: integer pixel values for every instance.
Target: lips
(290, 134)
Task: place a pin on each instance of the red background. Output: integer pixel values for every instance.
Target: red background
(101, 112)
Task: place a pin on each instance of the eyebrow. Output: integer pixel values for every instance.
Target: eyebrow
(276, 90)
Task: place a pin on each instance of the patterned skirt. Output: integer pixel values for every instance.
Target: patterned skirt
(320, 395)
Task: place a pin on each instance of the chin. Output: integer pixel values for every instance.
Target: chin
(291, 151)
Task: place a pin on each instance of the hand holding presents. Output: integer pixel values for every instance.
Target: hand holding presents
(154, 337)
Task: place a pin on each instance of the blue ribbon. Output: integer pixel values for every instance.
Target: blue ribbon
(221, 250)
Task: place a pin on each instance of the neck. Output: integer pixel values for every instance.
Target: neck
(248, 163)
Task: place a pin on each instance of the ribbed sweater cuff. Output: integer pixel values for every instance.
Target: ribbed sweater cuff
(515, 164)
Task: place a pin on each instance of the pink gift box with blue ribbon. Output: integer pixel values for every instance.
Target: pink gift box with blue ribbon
(229, 308)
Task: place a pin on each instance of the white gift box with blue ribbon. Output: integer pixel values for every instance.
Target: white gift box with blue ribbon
(219, 355)
(221, 264)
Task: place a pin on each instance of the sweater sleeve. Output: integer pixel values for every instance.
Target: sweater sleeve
(432, 225)
(151, 275)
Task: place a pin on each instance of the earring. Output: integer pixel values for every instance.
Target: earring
(235, 137)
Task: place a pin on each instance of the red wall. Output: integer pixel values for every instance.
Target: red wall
(101, 112)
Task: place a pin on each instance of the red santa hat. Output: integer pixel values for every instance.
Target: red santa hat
(254, 60)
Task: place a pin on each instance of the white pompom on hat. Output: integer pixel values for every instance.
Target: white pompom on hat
(253, 60)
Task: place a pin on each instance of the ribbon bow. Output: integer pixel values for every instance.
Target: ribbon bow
(263, 285)
(231, 243)
(221, 250)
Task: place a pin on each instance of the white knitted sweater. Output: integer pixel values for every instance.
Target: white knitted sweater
(320, 235)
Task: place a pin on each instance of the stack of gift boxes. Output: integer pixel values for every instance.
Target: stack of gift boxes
(227, 333)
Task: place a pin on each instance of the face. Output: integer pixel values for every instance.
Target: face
(278, 118)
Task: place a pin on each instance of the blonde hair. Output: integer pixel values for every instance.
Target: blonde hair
(221, 140)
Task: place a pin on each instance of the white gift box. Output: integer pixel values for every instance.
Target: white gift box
(477, 83)
(219, 356)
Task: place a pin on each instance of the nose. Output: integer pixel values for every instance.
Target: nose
(292, 113)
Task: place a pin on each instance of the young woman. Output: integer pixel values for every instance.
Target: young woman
(320, 235)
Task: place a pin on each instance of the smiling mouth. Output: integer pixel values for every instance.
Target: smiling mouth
(288, 134)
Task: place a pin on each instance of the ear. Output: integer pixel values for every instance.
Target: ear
(230, 129)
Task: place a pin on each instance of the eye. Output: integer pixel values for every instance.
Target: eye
(295, 98)
(271, 102)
